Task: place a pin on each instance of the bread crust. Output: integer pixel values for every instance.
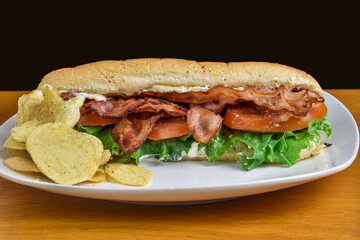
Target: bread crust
(134, 76)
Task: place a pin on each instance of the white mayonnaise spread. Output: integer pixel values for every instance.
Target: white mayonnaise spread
(149, 158)
(96, 97)
(239, 88)
(182, 89)
(178, 89)
(193, 152)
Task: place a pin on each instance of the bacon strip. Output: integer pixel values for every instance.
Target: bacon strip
(99, 106)
(67, 95)
(203, 123)
(137, 117)
(124, 107)
(252, 108)
(130, 132)
(297, 102)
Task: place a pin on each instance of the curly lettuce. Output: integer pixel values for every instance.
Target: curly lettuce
(282, 148)
(104, 133)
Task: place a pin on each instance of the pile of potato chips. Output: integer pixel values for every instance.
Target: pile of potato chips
(43, 141)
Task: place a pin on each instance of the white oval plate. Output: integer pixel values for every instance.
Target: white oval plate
(198, 181)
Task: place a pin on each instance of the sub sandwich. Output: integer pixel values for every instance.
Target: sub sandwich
(174, 109)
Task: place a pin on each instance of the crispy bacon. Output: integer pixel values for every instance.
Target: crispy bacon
(297, 102)
(274, 116)
(99, 106)
(203, 123)
(131, 131)
(123, 107)
(67, 95)
(137, 117)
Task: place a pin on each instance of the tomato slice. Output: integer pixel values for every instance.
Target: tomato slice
(93, 119)
(240, 118)
(164, 128)
(169, 128)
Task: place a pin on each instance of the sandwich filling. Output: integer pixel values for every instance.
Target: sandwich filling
(203, 117)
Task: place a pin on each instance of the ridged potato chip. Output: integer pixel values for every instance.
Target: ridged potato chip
(100, 176)
(55, 109)
(64, 155)
(13, 144)
(52, 109)
(28, 105)
(106, 155)
(129, 174)
(18, 152)
(21, 133)
(21, 164)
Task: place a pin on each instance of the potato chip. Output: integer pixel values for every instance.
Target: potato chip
(64, 155)
(21, 164)
(55, 109)
(18, 152)
(52, 109)
(129, 174)
(21, 133)
(13, 144)
(27, 106)
(100, 176)
(106, 155)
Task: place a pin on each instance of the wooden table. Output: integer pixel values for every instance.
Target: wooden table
(328, 208)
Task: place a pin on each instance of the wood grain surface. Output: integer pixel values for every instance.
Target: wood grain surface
(328, 208)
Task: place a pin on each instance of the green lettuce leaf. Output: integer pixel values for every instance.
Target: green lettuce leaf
(104, 133)
(167, 150)
(90, 130)
(219, 145)
(281, 148)
(316, 127)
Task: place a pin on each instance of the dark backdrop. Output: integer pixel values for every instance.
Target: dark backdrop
(38, 37)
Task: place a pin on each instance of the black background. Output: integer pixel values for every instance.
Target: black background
(319, 38)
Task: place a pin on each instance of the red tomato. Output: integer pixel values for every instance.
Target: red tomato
(241, 118)
(93, 119)
(169, 128)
